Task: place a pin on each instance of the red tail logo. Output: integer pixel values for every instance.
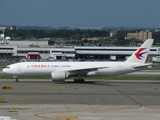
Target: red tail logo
(139, 53)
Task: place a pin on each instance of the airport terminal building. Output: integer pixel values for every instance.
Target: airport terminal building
(40, 50)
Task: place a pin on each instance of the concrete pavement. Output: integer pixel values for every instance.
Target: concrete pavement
(94, 100)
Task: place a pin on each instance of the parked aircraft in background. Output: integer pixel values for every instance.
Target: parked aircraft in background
(59, 71)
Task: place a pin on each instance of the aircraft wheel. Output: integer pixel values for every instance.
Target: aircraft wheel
(75, 80)
(82, 81)
(79, 81)
(17, 80)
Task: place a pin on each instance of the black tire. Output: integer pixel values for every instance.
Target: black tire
(75, 80)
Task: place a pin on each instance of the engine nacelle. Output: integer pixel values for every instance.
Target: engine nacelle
(59, 76)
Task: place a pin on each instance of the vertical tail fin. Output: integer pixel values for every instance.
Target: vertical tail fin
(140, 55)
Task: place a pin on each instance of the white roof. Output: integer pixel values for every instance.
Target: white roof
(27, 43)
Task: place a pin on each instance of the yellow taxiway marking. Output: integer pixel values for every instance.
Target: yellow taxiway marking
(67, 117)
(7, 87)
(13, 109)
(157, 89)
(1, 100)
(59, 117)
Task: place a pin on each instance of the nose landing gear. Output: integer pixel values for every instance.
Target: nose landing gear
(16, 77)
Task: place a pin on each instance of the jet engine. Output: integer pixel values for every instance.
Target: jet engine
(59, 76)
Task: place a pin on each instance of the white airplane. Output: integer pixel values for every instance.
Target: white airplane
(60, 71)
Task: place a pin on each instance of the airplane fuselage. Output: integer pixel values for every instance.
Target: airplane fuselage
(46, 68)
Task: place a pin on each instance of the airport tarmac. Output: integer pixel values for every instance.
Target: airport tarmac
(93, 100)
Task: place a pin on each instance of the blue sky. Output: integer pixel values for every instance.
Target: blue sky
(81, 13)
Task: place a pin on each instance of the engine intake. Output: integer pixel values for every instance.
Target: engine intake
(59, 76)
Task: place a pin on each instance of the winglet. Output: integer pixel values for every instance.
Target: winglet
(140, 55)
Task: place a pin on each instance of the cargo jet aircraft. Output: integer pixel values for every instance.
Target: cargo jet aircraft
(60, 71)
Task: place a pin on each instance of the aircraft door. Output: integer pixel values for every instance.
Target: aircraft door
(18, 68)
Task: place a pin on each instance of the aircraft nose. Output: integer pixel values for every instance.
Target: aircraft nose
(4, 70)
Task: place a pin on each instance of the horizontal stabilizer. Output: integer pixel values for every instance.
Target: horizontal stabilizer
(142, 66)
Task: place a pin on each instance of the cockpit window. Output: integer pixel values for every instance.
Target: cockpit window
(8, 67)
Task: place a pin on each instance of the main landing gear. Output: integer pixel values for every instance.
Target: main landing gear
(16, 77)
(79, 80)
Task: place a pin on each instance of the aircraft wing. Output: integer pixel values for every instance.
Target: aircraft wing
(83, 71)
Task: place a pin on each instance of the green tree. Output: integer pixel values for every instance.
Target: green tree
(51, 42)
